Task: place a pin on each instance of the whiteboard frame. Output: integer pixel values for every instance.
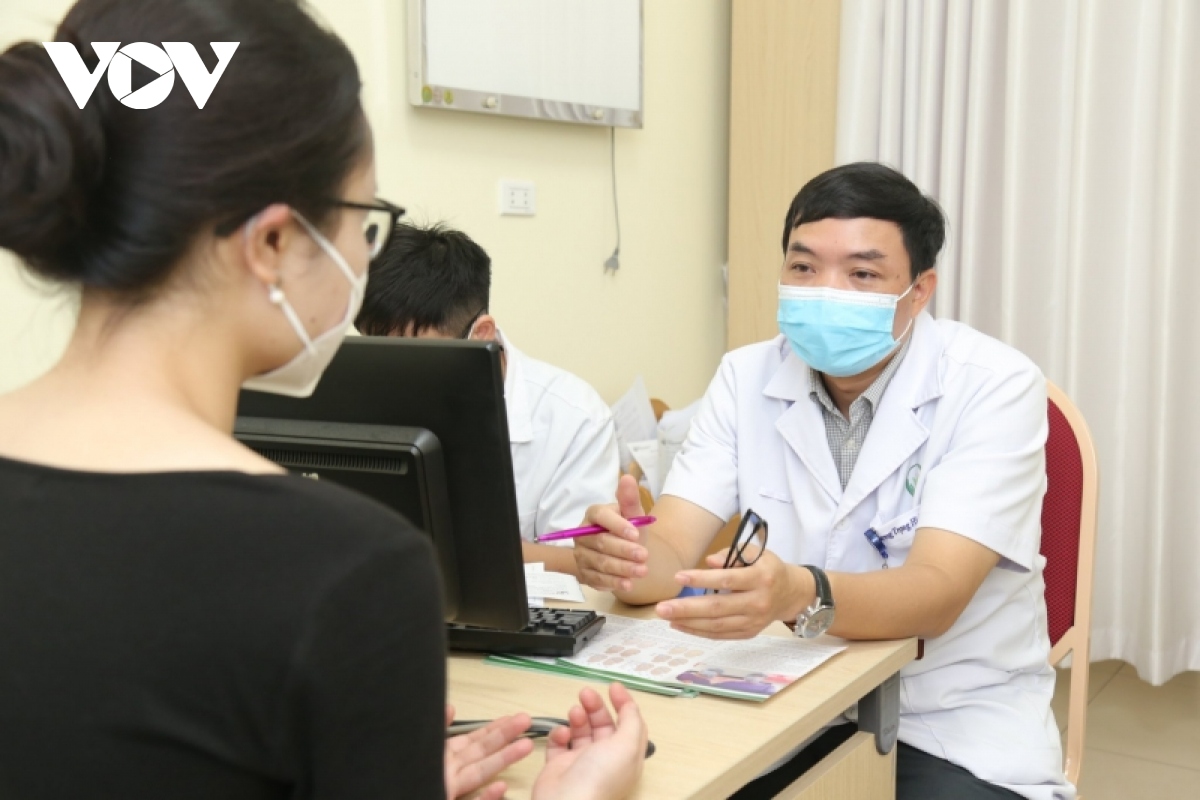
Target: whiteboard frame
(451, 98)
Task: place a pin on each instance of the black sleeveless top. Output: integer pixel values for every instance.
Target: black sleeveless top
(214, 635)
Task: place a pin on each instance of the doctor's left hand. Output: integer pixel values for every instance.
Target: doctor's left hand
(753, 598)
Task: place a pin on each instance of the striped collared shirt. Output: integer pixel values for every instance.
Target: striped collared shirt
(846, 436)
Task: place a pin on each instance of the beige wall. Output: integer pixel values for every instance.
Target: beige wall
(661, 316)
(35, 320)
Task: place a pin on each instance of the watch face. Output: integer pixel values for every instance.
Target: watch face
(816, 622)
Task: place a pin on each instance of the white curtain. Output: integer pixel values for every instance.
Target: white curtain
(1062, 137)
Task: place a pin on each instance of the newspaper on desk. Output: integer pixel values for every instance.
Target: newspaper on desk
(649, 655)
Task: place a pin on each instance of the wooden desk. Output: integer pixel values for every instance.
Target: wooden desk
(707, 747)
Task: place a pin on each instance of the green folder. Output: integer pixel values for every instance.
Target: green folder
(555, 667)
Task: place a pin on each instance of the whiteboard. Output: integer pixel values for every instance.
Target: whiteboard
(567, 60)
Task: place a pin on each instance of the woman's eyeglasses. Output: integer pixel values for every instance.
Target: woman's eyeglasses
(379, 222)
(748, 543)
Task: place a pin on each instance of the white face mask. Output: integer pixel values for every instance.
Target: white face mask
(299, 377)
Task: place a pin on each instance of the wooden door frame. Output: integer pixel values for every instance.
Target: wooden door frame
(782, 129)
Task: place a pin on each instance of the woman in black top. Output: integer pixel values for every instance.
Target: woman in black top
(178, 618)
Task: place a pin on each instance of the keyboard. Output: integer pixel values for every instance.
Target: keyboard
(552, 632)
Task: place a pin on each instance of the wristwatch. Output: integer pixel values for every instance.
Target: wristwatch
(816, 619)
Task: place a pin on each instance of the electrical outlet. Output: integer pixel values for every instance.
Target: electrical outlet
(517, 198)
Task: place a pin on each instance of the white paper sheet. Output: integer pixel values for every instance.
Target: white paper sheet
(633, 418)
(647, 455)
(541, 585)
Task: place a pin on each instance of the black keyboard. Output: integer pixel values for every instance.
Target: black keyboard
(553, 632)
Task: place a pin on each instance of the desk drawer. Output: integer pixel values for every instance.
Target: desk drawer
(854, 771)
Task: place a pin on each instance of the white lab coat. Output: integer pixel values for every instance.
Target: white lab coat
(956, 443)
(564, 446)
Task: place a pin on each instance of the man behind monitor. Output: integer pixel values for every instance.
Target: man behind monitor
(434, 282)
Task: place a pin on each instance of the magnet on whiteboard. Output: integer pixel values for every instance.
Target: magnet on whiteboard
(490, 103)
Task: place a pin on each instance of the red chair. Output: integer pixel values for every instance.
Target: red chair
(1069, 545)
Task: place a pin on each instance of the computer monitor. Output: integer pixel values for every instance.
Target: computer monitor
(419, 425)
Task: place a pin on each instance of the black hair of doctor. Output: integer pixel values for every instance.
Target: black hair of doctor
(870, 189)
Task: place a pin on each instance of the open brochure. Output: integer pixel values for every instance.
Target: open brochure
(650, 656)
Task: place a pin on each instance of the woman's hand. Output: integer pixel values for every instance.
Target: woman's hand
(474, 758)
(596, 758)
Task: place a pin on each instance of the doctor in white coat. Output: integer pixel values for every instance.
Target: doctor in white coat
(434, 282)
(898, 461)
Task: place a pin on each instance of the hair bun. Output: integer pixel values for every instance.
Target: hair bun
(51, 161)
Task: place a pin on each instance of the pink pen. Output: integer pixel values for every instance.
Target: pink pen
(588, 530)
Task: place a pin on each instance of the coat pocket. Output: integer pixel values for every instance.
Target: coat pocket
(781, 495)
(897, 533)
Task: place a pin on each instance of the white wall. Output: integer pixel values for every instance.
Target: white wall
(660, 316)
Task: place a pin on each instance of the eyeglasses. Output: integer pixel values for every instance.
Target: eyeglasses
(751, 533)
(379, 222)
(466, 334)
(539, 728)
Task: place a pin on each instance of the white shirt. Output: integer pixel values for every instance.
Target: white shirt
(956, 443)
(564, 445)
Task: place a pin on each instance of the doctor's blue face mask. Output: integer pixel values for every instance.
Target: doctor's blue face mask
(839, 332)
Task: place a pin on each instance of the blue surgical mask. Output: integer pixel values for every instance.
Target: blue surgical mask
(838, 332)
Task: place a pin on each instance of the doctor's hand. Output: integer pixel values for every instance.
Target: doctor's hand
(615, 559)
(755, 596)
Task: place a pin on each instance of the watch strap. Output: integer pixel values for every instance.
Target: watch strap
(824, 592)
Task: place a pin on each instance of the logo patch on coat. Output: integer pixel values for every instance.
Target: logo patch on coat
(911, 477)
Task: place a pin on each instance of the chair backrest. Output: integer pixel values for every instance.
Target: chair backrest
(1068, 543)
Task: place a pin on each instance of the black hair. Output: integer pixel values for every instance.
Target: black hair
(426, 277)
(867, 189)
(110, 197)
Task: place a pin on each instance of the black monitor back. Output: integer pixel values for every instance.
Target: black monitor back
(455, 390)
(401, 468)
